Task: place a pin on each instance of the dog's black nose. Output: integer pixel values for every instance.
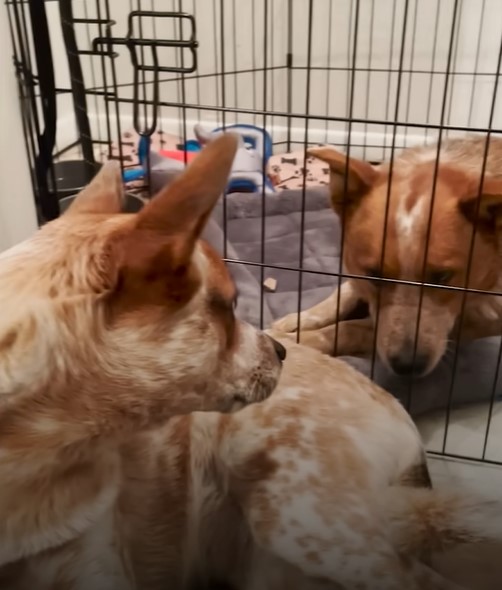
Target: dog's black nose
(280, 351)
(404, 364)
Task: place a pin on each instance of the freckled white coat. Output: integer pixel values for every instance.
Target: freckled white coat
(111, 325)
(322, 486)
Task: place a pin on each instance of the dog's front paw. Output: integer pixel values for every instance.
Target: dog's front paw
(289, 323)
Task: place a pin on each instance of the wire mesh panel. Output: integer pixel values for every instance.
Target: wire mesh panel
(365, 77)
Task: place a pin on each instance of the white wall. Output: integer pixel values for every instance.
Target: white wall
(17, 209)
(476, 40)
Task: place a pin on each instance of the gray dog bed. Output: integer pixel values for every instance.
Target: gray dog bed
(477, 362)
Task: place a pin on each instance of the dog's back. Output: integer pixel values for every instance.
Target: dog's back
(288, 492)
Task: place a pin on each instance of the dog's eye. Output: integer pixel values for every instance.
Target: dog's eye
(439, 277)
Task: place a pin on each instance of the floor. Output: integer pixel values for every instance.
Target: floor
(467, 431)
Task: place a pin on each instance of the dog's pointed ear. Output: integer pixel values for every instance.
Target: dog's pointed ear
(349, 178)
(104, 194)
(172, 222)
(483, 204)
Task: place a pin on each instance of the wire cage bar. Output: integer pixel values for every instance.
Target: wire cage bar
(98, 77)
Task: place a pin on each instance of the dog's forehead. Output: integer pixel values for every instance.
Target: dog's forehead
(399, 217)
(428, 213)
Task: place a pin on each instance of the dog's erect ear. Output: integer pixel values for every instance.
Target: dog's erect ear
(349, 178)
(485, 205)
(174, 219)
(104, 194)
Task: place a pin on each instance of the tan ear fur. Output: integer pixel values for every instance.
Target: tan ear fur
(104, 194)
(485, 205)
(154, 253)
(182, 205)
(179, 212)
(360, 175)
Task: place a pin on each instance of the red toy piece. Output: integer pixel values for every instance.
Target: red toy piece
(178, 155)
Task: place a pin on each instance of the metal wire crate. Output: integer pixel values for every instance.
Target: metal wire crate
(369, 77)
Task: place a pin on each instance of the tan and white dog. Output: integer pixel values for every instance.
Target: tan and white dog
(428, 228)
(112, 323)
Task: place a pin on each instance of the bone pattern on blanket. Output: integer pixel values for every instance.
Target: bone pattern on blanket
(291, 170)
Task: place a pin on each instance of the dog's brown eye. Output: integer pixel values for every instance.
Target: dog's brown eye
(439, 277)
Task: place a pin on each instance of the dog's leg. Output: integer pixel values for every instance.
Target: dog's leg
(296, 515)
(354, 338)
(476, 328)
(347, 561)
(323, 313)
(336, 541)
(351, 561)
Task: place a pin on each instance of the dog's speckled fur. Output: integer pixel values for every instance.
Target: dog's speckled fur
(112, 324)
(359, 194)
(308, 490)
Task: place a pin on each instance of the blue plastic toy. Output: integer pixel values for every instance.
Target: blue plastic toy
(143, 151)
(247, 171)
(252, 157)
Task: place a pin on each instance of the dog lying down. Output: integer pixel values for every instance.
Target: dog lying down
(114, 323)
(432, 215)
